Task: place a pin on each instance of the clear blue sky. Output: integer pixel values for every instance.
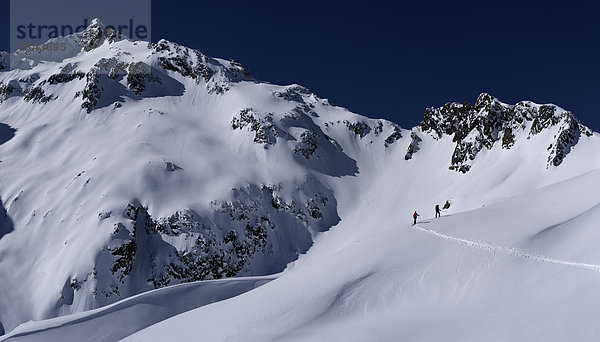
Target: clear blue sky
(392, 60)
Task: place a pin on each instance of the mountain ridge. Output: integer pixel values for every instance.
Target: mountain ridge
(480, 125)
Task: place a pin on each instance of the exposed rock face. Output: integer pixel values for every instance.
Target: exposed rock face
(263, 128)
(569, 132)
(67, 74)
(413, 147)
(359, 128)
(395, 136)
(92, 92)
(12, 88)
(188, 247)
(4, 62)
(93, 36)
(481, 125)
(108, 73)
(192, 64)
(309, 142)
(294, 93)
(139, 75)
(36, 94)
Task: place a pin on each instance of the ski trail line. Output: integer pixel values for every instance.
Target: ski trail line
(508, 250)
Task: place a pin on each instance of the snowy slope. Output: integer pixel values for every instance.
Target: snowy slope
(464, 277)
(75, 184)
(129, 166)
(140, 311)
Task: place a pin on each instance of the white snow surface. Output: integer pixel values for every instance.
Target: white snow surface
(137, 312)
(478, 275)
(514, 258)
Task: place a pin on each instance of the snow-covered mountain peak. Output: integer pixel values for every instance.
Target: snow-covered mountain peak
(486, 103)
(478, 126)
(95, 34)
(159, 165)
(99, 68)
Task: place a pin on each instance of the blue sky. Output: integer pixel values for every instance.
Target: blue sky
(392, 60)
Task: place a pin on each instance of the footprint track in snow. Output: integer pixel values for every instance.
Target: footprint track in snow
(507, 250)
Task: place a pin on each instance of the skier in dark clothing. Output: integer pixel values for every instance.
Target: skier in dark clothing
(437, 211)
(415, 215)
(447, 205)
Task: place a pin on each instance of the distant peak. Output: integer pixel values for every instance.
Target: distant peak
(484, 100)
(478, 126)
(96, 33)
(96, 22)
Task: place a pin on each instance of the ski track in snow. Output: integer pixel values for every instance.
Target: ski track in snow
(507, 250)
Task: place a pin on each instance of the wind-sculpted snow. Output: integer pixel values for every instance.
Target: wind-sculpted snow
(138, 312)
(127, 166)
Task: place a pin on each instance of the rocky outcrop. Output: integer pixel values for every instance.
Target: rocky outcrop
(250, 235)
(4, 61)
(12, 88)
(139, 75)
(96, 34)
(179, 65)
(308, 145)
(93, 36)
(293, 93)
(479, 126)
(66, 74)
(413, 147)
(264, 131)
(37, 94)
(108, 72)
(92, 92)
(569, 132)
(192, 64)
(359, 128)
(393, 137)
